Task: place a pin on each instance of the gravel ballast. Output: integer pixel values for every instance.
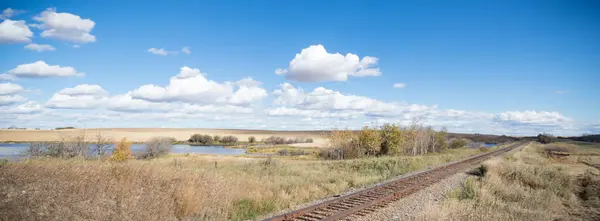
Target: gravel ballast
(415, 206)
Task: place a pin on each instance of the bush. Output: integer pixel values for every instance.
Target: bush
(369, 141)
(217, 138)
(283, 152)
(201, 139)
(229, 140)
(544, 138)
(251, 139)
(391, 139)
(156, 147)
(122, 151)
(66, 148)
(458, 143)
(331, 154)
(309, 140)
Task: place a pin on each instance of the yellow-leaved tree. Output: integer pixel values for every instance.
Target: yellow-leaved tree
(122, 151)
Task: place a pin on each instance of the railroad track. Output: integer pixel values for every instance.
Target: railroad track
(363, 202)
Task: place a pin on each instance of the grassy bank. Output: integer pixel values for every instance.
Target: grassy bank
(529, 185)
(187, 188)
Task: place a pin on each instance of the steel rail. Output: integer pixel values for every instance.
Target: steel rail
(368, 200)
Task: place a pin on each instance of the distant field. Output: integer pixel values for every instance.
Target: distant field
(143, 134)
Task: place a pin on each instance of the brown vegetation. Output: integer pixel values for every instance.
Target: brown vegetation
(186, 188)
(526, 186)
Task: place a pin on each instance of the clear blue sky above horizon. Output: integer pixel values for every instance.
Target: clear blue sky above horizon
(509, 67)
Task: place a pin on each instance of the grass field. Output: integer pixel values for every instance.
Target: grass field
(529, 185)
(187, 188)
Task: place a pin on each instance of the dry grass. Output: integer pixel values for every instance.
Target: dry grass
(526, 186)
(186, 188)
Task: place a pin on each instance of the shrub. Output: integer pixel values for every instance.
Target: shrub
(297, 152)
(229, 139)
(391, 139)
(369, 141)
(156, 147)
(458, 143)
(217, 138)
(201, 139)
(251, 139)
(101, 144)
(544, 138)
(283, 152)
(122, 151)
(309, 140)
(66, 147)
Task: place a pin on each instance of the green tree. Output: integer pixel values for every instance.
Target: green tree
(369, 141)
(391, 139)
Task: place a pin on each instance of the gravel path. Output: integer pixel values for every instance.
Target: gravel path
(415, 206)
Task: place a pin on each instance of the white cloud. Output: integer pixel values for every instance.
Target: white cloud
(399, 85)
(84, 89)
(285, 111)
(41, 69)
(39, 47)
(11, 99)
(76, 46)
(533, 117)
(186, 50)
(193, 87)
(82, 96)
(26, 108)
(7, 77)
(248, 92)
(10, 88)
(9, 12)
(126, 103)
(315, 64)
(158, 51)
(324, 99)
(63, 101)
(14, 32)
(65, 26)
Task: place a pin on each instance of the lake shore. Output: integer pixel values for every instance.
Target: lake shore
(140, 135)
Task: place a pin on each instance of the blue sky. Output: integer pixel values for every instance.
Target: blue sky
(510, 67)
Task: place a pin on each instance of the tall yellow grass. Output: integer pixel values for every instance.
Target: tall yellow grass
(526, 186)
(186, 188)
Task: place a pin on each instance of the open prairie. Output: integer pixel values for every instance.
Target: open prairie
(143, 134)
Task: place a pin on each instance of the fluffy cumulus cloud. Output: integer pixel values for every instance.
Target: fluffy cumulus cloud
(79, 97)
(39, 47)
(14, 32)
(325, 99)
(193, 87)
(11, 99)
(533, 118)
(7, 77)
(29, 107)
(84, 89)
(10, 88)
(65, 26)
(315, 64)
(41, 69)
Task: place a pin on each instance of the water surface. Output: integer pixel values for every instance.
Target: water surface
(11, 150)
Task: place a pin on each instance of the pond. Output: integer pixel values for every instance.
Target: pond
(12, 150)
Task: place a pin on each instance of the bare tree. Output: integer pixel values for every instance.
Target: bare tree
(102, 143)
